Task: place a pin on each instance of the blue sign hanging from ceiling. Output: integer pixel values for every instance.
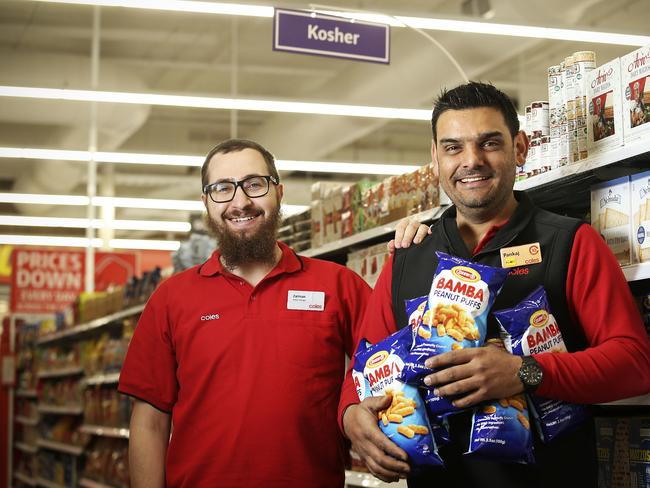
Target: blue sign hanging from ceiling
(312, 33)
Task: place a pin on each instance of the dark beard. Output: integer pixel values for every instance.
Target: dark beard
(237, 249)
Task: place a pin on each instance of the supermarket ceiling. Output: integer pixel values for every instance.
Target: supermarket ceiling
(48, 45)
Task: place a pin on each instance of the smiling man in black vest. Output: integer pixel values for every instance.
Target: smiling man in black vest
(476, 148)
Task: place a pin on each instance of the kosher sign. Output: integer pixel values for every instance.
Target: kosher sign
(311, 33)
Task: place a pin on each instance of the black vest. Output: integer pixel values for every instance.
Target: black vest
(413, 270)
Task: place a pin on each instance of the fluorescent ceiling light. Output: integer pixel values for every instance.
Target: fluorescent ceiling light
(147, 203)
(76, 223)
(197, 161)
(215, 103)
(18, 240)
(396, 21)
(179, 6)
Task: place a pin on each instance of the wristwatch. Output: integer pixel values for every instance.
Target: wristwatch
(530, 373)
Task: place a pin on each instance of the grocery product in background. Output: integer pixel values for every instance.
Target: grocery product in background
(605, 107)
(635, 81)
(640, 196)
(610, 216)
(584, 63)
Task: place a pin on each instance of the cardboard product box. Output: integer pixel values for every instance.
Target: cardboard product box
(639, 452)
(605, 427)
(635, 81)
(640, 198)
(610, 216)
(605, 112)
(337, 207)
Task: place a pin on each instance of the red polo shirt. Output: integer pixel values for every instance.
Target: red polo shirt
(252, 385)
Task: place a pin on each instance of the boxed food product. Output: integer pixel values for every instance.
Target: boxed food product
(640, 196)
(635, 81)
(605, 114)
(610, 216)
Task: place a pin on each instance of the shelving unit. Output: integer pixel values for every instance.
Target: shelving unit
(26, 420)
(60, 373)
(88, 483)
(60, 409)
(102, 379)
(28, 448)
(47, 484)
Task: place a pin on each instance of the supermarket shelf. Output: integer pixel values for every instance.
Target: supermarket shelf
(26, 393)
(642, 400)
(29, 448)
(56, 409)
(369, 234)
(102, 379)
(60, 447)
(58, 373)
(28, 480)
(47, 483)
(93, 324)
(637, 272)
(104, 431)
(596, 161)
(88, 483)
(26, 420)
(355, 478)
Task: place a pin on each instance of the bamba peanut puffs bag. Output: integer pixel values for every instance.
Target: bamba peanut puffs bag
(455, 317)
(375, 373)
(501, 431)
(530, 328)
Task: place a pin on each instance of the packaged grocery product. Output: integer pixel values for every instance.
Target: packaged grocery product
(501, 431)
(610, 216)
(455, 317)
(376, 373)
(605, 107)
(530, 328)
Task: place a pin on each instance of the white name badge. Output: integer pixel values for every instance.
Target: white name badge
(306, 300)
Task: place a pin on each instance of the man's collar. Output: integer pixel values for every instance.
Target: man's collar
(289, 263)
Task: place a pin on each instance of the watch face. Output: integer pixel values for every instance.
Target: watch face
(531, 373)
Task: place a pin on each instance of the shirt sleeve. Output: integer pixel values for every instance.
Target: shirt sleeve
(616, 364)
(378, 322)
(149, 370)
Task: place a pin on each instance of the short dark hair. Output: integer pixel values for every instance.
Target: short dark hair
(236, 145)
(475, 95)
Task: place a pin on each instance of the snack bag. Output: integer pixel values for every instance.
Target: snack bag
(376, 370)
(455, 317)
(530, 328)
(501, 431)
(414, 311)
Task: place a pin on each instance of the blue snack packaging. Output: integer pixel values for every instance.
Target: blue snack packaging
(530, 328)
(376, 372)
(414, 311)
(455, 317)
(501, 431)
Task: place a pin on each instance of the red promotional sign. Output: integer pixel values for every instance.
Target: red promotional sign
(46, 281)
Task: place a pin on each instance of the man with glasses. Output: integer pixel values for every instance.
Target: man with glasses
(244, 354)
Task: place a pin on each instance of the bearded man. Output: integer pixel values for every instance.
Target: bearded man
(244, 354)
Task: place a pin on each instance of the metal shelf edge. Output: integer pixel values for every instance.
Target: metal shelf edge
(100, 430)
(93, 324)
(60, 447)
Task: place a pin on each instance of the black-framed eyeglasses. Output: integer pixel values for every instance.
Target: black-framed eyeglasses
(253, 186)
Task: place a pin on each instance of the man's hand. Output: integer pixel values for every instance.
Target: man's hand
(408, 231)
(384, 459)
(474, 375)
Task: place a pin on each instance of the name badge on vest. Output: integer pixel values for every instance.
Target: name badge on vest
(525, 255)
(306, 300)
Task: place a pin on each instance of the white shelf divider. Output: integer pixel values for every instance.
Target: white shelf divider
(60, 447)
(637, 272)
(28, 480)
(28, 448)
(60, 409)
(637, 401)
(88, 483)
(357, 478)
(103, 431)
(26, 420)
(102, 379)
(60, 373)
(93, 324)
(47, 483)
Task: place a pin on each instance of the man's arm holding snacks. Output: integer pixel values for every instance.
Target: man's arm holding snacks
(617, 363)
(358, 421)
(148, 439)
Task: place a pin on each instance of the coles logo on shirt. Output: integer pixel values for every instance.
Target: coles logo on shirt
(210, 316)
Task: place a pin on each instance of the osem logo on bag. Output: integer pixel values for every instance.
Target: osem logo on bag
(539, 318)
(466, 274)
(377, 359)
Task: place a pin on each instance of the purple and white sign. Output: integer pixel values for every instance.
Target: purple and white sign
(311, 33)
